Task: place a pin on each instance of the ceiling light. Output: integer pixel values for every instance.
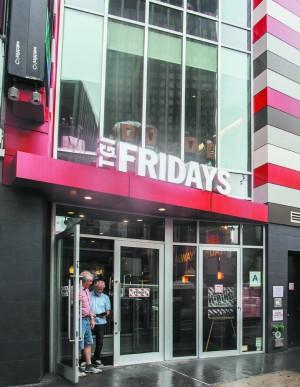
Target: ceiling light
(73, 192)
(125, 221)
(70, 212)
(139, 220)
(87, 198)
(161, 209)
(101, 233)
(93, 241)
(81, 216)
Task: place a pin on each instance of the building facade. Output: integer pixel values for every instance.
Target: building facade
(147, 141)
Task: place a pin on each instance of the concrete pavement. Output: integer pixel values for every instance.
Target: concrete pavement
(280, 369)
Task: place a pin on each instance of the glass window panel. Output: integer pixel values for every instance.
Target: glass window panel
(235, 37)
(184, 231)
(219, 300)
(201, 103)
(184, 300)
(164, 93)
(165, 17)
(204, 28)
(209, 7)
(80, 86)
(139, 316)
(252, 300)
(235, 110)
(116, 224)
(236, 12)
(130, 9)
(124, 83)
(215, 234)
(240, 185)
(252, 235)
(173, 2)
(89, 5)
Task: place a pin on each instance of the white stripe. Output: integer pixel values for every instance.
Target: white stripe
(283, 15)
(269, 78)
(271, 193)
(275, 155)
(278, 47)
(259, 12)
(277, 137)
(277, 12)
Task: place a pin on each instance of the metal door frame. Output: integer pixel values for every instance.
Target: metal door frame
(238, 350)
(70, 373)
(140, 357)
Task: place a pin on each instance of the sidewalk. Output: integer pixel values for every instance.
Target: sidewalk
(272, 370)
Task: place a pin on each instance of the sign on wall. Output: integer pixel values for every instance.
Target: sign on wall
(127, 157)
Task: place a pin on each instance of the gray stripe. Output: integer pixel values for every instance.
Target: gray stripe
(282, 214)
(260, 64)
(277, 64)
(277, 118)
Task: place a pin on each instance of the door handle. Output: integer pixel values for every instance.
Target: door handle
(69, 310)
(80, 313)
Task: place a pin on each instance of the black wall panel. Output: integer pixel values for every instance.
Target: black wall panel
(24, 285)
(280, 240)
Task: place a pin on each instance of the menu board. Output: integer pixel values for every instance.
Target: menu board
(221, 304)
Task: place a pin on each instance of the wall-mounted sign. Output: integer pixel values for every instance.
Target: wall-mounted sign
(277, 291)
(291, 286)
(278, 302)
(255, 279)
(139, 292)
(127, 157)
(277, 315)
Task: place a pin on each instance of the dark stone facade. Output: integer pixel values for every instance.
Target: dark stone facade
(24, 285)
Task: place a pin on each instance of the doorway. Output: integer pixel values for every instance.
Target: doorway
(133, 275)
(221, 301)
(294, 299)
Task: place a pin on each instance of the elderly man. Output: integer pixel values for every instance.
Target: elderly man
(88, 322)
(101, 309)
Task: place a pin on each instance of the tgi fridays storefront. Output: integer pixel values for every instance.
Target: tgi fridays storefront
(184, 267)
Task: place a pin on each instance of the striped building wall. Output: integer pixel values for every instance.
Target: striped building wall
(276, 45)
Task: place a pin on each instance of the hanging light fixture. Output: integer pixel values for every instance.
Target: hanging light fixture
(220, 274)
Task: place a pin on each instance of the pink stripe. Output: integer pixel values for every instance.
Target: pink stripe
(291, 5)
(283, 32)
(283, 102)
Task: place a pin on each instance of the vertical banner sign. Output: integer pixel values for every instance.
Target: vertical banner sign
(26, 44)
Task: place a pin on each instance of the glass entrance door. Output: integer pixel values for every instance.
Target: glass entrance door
(138, 295)
(68, 308)
(220, 292)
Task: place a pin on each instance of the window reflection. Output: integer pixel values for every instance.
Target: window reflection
(124, 83)
(209, 7)
(164, 93)
(242, 12)
(184, 300)
(214, 233)
(201, 103)
(130, 9)
(165, 17)
(235, 110)
(80, 87)
(202, 27)
(184, 231)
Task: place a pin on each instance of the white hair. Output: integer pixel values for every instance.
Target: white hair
(86, 276)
